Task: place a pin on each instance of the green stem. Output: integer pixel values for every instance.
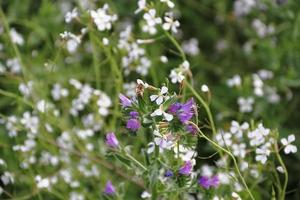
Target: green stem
(135, 161)
(176, 44)
(205, 105)
(286, 176)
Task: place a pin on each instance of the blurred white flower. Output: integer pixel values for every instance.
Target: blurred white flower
(245, 104)
(191, 47)
(288, 147)
(170, 24)
(176, 76)
(151, 21)
(160, 97)
(235, 81)
(169, 3)
(102, 18)
(16, 37)
(71, 15)
(161, 112)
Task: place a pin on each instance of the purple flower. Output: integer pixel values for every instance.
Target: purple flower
(192, 129)
(169, 173)
(109, 188)
(186, 169)
(208, 182)
(133, 114)
(133, 124)
(183, 111)
(125, 102)
(174, 108)
(111, 140)
(186, 112)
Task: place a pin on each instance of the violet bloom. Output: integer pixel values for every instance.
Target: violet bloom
(134, 114)
(169, 173)
(191, 129)
(183, 111)
(125, 102)
(186, 112)
(186, 169)
(208, 182)
(109, 188)
(111, 140)
(133, 124)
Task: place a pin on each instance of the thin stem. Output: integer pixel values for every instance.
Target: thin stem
(176, 44)
(205, 105)
(135, 161)
(286, 176)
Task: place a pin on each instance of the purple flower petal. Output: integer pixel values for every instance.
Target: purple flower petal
(186, 169)
(109, 188)
(111, 140)
(125, 102)
(133, 124)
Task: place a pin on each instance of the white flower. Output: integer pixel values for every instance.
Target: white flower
(169, 3)
(163, 141)
(171, 24)
(235, 81)
(176, 76)
(71, 15)
(280, 169)
(190, 47)
(262, 153)
(161, 112)
(204, 88)
(140, 82)
(239, 150)
(224, 139)
(243, 7)
(237, 129)
(42, 182)
(160, 97)
(141, 6)
(145, 195)
(102, 18)
(105, 41)
(16, 37)
(235, 196)
(258, 85)
(151, 21)
(245, 104)
(288, 147)
(257, 136)
(164, 59)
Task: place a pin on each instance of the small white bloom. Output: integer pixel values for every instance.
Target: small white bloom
(235, 81)
(245, 104)
(160, 97)
(169, 3)
(164, 59)
(105, 41)
(288, 147)
(170, 24)
(176, 76)
(141, 6)
(16, 37)
(140, 82)
(190, 47)
(161, 112)
(71, 15)
(151, 21)
(280, 169)
(237, 129)
(145, 195)
(204, 88)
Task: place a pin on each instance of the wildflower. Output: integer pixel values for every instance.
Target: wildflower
(204, 88)
(191, 129)
(71, 15)
(102, 18)
(164, 59)
(125, 102)
(133, 124)
(186, 111)
(161, 112)
(169, 173)
(176, 76)
(134, 114)
(141, 6)
(169, 3)
(257, 136)
(235, 81)
(151, 21)
(288, 147)
(163, 141)
(16, 37)
(190, 47)
(245, 104)
(224, 139)
(262, 153)
(109, 188)
(207, 182)
(145, 195)
(237, 129)
(111, 140)
(170, 24)
(160, 97)
(186, 169)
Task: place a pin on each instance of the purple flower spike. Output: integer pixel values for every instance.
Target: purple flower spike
(186, 111)
(125, 102)
(207, 182)
(186, 169)
(111, 140)
(133, 124)
(109, 188)
(134, 114)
